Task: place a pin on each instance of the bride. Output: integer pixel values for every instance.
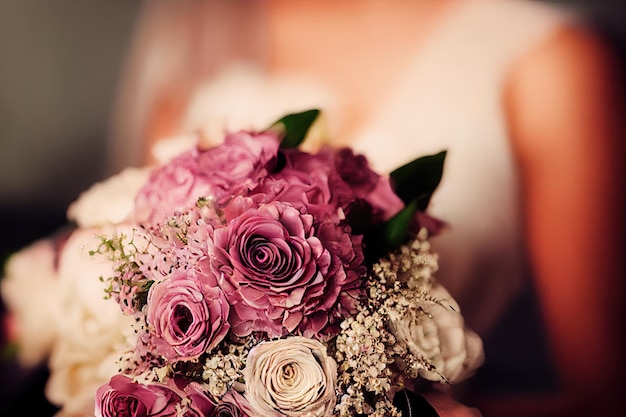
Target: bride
(523, 96)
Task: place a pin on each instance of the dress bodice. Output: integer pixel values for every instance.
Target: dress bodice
(449, 97)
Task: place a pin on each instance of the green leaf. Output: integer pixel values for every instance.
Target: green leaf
(395, 231)
(417, 180)
(381, 238)
(414, 183)
(295, 127)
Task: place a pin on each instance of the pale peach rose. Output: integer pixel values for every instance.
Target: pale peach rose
(291, 377)
(111, 201)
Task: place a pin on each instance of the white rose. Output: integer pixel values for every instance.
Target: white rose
(291, 377)
(436, 331)
(108, 202)
(90, 328)
(30, 290)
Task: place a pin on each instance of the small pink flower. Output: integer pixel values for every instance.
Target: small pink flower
(123, 397)
(188, 315)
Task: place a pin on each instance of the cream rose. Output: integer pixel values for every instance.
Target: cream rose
(29, 290)
(56, 299)
(435, 330)
(90, 329)
(108, 202)
(291, 377)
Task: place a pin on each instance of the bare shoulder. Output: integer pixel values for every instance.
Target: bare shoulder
(570, 51)
(563, 89)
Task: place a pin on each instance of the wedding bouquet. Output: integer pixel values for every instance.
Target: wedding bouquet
(253, 278)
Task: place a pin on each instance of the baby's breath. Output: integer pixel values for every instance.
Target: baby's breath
(366, 352)
(221, 370)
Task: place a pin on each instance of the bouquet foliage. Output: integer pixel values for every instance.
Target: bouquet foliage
(263, 280)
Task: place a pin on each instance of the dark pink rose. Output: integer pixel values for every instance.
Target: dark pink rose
(270, 264)
(367, 185)
(121, 397)
(227, 410)
(197, 402)
(188, 316)
(231, 168)
(333, 185)
(325, 194)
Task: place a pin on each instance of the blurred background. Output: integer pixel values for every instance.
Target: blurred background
(59, 67)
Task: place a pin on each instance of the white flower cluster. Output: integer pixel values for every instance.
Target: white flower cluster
(409, 327)
(222, 370)
(363, 348)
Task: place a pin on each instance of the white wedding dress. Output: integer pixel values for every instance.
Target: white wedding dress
(449, 98)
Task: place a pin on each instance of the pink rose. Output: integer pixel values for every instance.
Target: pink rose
(308, 192)
(325, 194)
(312, 184)
(349, 269)
(271, 267)
(332, 180)
(231, 168)
(188, 315)
(123, 397)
